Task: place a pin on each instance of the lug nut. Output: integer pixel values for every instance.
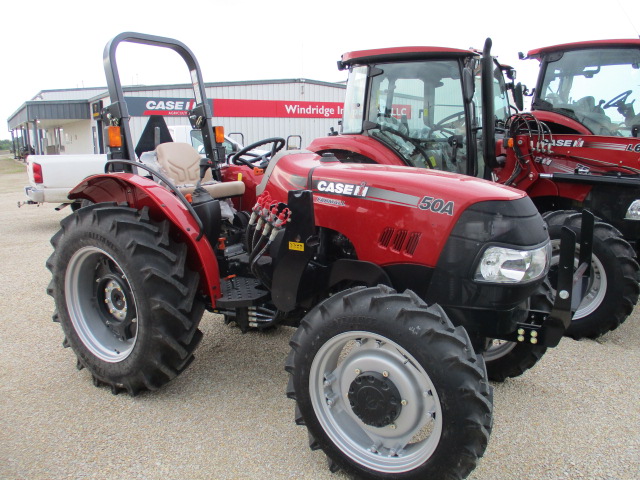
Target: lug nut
(331, 401)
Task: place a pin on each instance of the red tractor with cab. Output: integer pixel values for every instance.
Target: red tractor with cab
(416, 106)
(397, 279)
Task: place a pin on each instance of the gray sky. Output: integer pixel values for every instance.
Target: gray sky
(59, 44)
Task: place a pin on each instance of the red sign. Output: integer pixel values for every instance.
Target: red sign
(276, 109)
(144, 106)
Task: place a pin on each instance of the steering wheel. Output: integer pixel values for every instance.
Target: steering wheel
(258, 160)
(386, 122)
(392, 123)
(448, 123)
(618, 99)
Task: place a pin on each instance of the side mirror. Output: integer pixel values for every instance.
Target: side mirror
(518, 97)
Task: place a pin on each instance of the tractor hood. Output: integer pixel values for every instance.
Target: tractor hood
(394, 214)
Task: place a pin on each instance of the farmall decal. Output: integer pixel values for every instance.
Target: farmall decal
(329, 201)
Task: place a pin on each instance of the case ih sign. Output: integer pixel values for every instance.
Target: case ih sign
(144, 106)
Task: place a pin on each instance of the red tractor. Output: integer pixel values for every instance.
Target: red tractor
(397, 278)
(416, 106)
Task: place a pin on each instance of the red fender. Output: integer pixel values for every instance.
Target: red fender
(139, 192)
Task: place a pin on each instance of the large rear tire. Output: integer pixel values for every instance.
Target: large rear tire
(613, 284)
(389, 388)
(128, 305)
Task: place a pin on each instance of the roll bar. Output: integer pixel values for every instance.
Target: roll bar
(117, 113)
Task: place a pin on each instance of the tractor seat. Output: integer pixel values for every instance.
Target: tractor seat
(181, 163)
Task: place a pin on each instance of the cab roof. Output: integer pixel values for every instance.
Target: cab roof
(625, 42)
(396, 54)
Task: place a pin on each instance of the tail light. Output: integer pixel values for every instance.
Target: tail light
(37, 173)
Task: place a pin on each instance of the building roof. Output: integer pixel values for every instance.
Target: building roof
(72, 104)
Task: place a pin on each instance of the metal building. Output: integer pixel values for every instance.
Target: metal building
(68, 121)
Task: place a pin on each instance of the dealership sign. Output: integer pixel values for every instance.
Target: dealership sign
(145, 106)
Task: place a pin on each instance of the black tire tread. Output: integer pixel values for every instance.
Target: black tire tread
(402, 310)
(174, 308)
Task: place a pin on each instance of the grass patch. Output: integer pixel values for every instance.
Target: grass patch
(8, 165)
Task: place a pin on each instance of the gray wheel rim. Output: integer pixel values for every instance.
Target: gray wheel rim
(498, 349)
(87, 309)
(597, 286)
(403, 445)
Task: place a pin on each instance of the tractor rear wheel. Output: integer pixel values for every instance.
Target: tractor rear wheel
(388, 387)
(613, 289)
(126, 301)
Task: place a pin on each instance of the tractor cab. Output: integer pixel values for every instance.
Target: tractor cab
(590, 88)
(424, 104)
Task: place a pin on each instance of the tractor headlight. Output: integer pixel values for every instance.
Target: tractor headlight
(506, 265)
(633, 212)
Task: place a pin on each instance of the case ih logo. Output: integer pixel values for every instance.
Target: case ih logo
(564, 143)
(347, 189)
(167, 107)
(145, 106)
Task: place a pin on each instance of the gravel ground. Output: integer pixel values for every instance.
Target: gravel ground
(576, 415)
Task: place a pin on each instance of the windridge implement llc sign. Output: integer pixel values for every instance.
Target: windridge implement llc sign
(145, 106)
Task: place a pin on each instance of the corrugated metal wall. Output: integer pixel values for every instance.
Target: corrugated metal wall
(255, 129)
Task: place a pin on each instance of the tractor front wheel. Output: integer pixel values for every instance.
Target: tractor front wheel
(505, 359)
(388, 387)
(127, 303)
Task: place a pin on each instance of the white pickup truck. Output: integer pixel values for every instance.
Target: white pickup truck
(51, 177)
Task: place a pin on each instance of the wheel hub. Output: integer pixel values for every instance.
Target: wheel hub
(116, 315)
(375, 399)
(115, 300)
